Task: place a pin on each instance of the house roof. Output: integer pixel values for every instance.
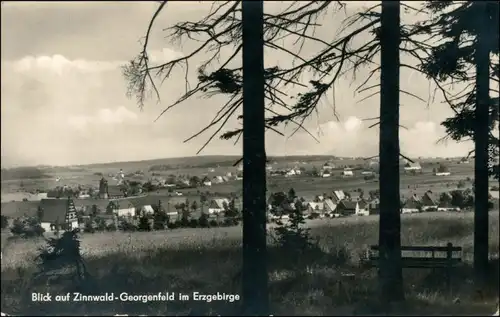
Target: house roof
(54, 210)
(147, 200)
(339, 194)
(429, 199)
(100, 203)
(219, 202)
(411, 204)
(316, 206)
(362, 203)
(114, 190)
(348, 204)
(330, 204)
(122, 203)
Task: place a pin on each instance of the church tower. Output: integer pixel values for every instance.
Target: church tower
(103, 188)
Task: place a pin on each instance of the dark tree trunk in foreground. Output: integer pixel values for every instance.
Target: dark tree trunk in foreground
(481, 135)
(255, 296)
(390, 270)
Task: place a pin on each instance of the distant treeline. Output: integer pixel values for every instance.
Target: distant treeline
(23, 173)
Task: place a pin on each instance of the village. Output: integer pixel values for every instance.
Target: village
(122, 205)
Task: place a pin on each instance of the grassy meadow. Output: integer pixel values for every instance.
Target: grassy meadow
(209, 261)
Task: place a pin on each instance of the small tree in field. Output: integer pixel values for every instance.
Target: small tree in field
(144, 224)
(292, 237)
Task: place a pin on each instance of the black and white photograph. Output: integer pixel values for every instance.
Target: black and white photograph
(249, 158)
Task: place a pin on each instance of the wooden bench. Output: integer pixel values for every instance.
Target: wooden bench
(425, 257)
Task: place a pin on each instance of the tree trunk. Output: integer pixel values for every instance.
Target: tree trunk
(481, 135)
(390, 267)
(255, 293)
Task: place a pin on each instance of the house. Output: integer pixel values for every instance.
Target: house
(313, 207)
(122, 208)
(363, 209)
(347, 173)
(355, 195)
(327, 167)
(347, 208)
(367, 173)
(338, 195)
(59, 213)
(329, 205)
(217, 180)
(206, 181)
(216, 205)
(115, 192)
(240, 167)
(374, 207)
(429, 201)
(411, 206)
(291, 172)
(325, 173)
(409, 166)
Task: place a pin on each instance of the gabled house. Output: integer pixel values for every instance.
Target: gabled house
(57, 214)
(217, 180)
(347, 173)
(412, 166)
(313, 207)
(327, 167)
(429, 201)
(216, 205)
(115, 192)
(347, 208)
(374, 207)
(411, 206)
(362, 208)
(329, 205)
(122, 208)
(338, 195)
(206, 181)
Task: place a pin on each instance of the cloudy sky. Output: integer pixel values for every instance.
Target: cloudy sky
(64, 98)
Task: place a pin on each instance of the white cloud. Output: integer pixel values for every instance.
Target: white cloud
(60, 65)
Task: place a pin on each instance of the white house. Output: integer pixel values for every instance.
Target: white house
(59, 213)
(412, 166)
(291, 172)
(216, 205)
(217, 180)
(367, 173)
(442, 173)
(347, 172)
(206, 181)
(123, 208)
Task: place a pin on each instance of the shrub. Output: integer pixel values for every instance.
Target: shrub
(27, 227)
(127, 226)
(292, 238)
(203, 221)
(144, 224)
(213, 223)
(5, 222)
(111, 227)
(89, 226)
(193, 223)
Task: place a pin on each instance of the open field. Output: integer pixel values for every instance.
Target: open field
(209, 261)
